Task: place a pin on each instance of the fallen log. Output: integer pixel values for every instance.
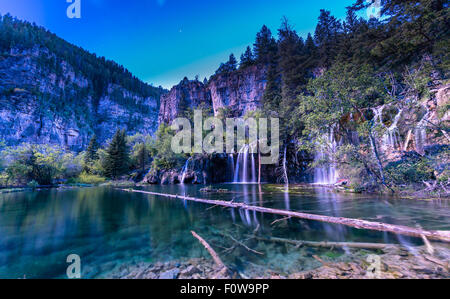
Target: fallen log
(325, 244)
(211, 251)
(355, 223)
(223, 272)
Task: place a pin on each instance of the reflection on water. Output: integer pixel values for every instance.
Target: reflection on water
(106, 228)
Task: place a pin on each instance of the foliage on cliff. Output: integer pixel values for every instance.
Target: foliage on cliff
(24, 35)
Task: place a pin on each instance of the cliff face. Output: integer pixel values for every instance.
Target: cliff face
(240, 91)
(187, 94)
(54, 104)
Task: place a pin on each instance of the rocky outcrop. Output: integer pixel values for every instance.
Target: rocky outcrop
(200, 170)
(187, 94)
(239, 92)
(56, 105)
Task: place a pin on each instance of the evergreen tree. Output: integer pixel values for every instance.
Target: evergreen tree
(272, 93)
(291, 57)
(232, 63)
(265, 46)
(116, 159)
(228, 67)
(141, 156)
(327, 37)
(91, 151)
(411, 27)
(247, 58)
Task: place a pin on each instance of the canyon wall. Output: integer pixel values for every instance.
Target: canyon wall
(52, 103)
(239, 92)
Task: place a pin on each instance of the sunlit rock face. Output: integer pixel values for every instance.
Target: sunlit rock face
(187, 94)
(238, 92)
(55, 105)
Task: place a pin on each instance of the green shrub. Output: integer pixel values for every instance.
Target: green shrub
(33, 184)
(410, 170)
(91, 179)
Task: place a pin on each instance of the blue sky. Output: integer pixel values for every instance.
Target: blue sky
(162, 41)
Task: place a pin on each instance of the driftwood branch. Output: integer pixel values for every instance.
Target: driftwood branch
(355, 223)
(241, 244)
(328, 244)
(211, 251)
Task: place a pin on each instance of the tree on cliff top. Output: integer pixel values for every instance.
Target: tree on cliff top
(265, 46)
(247, 58)
(229, 66)
(116, 160)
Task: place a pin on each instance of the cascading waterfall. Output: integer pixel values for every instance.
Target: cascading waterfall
(420, 133)
(230, 163)
(391, 138)
(253, 166)
(378, 114)
(327, 174)
(184, 170)
(241, 170)
(286, 178)
(245, 168)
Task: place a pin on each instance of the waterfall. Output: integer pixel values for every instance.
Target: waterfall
(241, 170)
(245, 168)
(420, 133)
(326, 174)
(236, 169)
(253, 169)
(378, 115)
(184, 170)
(391, 138)
(286, 178)
(231, 167)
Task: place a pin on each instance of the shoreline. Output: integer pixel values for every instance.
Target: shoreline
(393, 264)
(410, 194)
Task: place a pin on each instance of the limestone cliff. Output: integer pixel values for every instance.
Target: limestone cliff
(187, 94)
(239, 92)
(45, 99)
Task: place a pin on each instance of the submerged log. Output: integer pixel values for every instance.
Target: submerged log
(223, 272)
(355, 223)
(325, 244)
(211, 251)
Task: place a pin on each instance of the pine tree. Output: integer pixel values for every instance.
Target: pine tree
(291, 57)
(141, 156)
(116, 160)
(228, 67)
(265, 46)
(327, 37)
(272, 93)
(232, 63)
(91, 151)
(247, 58)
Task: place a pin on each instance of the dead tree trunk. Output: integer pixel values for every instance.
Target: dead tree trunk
(355, 223)
(211, 251)
(328, 244)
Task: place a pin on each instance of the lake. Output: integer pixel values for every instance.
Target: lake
(108, 228)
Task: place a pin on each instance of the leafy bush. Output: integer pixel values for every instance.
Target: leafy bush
(410, 170)
(91, 179)
(33, 184)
